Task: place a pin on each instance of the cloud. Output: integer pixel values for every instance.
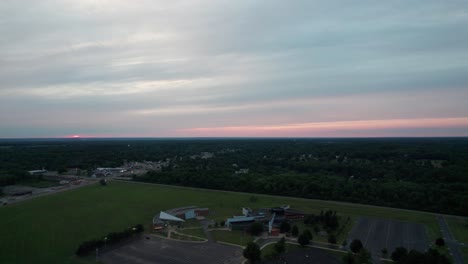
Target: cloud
(169, 62)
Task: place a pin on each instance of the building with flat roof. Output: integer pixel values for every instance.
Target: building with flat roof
(37, 172)
(269, 217)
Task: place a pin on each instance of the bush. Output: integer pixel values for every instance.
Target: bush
(440, 242)
(331, 239)
(308, 234)
(399, 254)
(303, 239)
(295, 231)
(252, 252)
(280, 246)
(355, 245)
(103, 182)
(90, 246)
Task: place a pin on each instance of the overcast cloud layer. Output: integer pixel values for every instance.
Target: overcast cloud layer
(233, 68)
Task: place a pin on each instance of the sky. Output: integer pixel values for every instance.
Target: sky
(223, 68)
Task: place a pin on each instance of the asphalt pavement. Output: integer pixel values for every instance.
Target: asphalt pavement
(450, 241)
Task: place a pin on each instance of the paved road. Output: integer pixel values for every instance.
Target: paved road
(450, 241)
(47, 191)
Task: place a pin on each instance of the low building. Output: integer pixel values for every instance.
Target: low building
(240, 222)
(189, 212)
(178, 215)
(162, 219)
(271, 217)
(37, 172)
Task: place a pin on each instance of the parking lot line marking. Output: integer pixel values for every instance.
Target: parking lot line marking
(372, 225)
(389, 223)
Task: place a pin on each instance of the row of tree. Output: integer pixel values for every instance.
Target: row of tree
(431, 256)
(90, 246)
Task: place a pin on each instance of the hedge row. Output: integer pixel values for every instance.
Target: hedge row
(90, 246)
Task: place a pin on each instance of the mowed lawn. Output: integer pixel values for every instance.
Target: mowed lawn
(49, 229)
(459, 228)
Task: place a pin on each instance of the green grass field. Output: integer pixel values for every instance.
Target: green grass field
(268, 252)
(464, 252)
(197, 231)
(232, 237)
(184, 237)
(459, 228)
(49, 229)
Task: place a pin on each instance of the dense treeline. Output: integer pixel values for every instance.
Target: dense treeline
(423, 174)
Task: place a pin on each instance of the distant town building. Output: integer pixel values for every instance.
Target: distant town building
(37, 172)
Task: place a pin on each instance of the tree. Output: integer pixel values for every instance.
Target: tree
(61, 170)
(295, 231)
(440, 242)
(280, 246)
(252, 252)
(256, 229)
(384, 252)
(316, 229)
(103, 182)
(399, 254)
(303, 240)
(308, 234)
(363, 256)
(348, 258)
(285, 227)
(345, 242)
(355, 245)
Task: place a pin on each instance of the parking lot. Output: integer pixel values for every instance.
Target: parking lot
(376, 234)
(158, 251)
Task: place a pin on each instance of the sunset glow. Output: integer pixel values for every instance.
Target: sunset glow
(233, 68)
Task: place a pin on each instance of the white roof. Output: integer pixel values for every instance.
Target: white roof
(168, 217)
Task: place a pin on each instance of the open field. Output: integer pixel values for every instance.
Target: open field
(232, 237)
(459, 228)
(185, 237)
(58, 223)
(196, 231)
(464, 252)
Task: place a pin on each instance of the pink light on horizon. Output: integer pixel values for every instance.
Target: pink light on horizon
(335, 128)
